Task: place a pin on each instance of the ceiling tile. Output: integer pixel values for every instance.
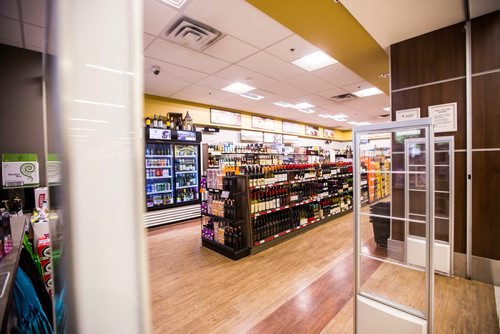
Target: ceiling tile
(300, 47)
(34, 11)
(10, 32)
(331, 92)
(239, 19)
(284, 89)
(162, 86)
(8, 8)
(175, 54)
(338, 75)
(240, 74)
(173, 71)
(33, 37)
(310, 83)
(314, 100)
(203, 91)
(230, 49)
(214, 82)
(194, 98)
(351, 88)
(156, 16)
(147, 39)
(269, 65)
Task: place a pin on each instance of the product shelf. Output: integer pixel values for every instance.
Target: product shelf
(158, 156)
(225, 250)
(230, 220)
(185, 187)
(159, 167)
(158, 177)
(159, 192)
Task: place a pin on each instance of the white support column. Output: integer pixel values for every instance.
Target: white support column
(468, 124)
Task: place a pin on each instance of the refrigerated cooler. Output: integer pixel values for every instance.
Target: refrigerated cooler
(172, 175)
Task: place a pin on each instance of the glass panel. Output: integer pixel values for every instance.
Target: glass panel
(186, 173)
(442, 178)
(158, 169)
(442, 229)
(442, 205)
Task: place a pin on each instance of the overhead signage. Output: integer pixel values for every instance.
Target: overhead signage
(254, 136)
(444, 117)
(273, 138)
(186, 135)
(327, 133)
(262, 123)
(290, 127)
(20, 170)
(312, 130)
(160, 134)
(210, 129)
(407, 114)
(289, 139)
(225, 117)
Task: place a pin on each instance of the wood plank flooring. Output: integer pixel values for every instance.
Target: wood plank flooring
(304, 283)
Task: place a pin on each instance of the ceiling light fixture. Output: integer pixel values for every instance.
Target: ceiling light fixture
(368, 92)
(175, 3)
(252, 96)
(238, 88)
(358, 123)
(314, 61)
(323, 115)
(282, 104)
(301, 105)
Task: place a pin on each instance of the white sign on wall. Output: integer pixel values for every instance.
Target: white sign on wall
(19, 174)
(406, 114)
(444, 117)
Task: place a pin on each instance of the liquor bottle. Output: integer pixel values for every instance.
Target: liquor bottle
(148, 121)
(155, 122)
(167, 123)
(172, 124)
(160, 122)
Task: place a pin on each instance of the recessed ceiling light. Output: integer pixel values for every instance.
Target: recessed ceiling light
(252, 96)
(238, 88)
(282, 104)
(368, 92)
(175, 3)
(314, 61)
(384, 75)
(301, 105)
(323, 115)
(307, 111)
(387, 108)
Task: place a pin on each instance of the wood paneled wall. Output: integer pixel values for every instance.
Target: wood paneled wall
(438, 56)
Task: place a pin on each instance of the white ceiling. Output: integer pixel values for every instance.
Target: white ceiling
(255, 50)
(393, 21)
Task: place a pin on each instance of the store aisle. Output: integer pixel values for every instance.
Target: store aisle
(302, 285)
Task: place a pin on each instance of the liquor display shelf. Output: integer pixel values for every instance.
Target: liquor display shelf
(229, 220)
(314, 221)
(186, 172)
(225, 250)
(265, 212)
(185, 187)
(159, 167)
(311, 179)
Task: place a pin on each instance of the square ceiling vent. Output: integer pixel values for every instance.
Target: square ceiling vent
(343, 97)
(192, 34)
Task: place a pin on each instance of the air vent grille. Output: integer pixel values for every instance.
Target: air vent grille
(344, 97)
(192, 34)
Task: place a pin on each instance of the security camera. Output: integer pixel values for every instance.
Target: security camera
(156, 70)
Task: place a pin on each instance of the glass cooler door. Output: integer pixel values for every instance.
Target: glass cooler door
(186, 173)
(159, 185)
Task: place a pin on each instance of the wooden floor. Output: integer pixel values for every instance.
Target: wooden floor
(303, 285)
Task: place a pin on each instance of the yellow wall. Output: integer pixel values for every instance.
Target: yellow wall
(155, 105)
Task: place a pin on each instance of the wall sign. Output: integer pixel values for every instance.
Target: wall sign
(288, 139)
(444, 117)
(160, 134)
(290, 127)
(327, 133)
(406, 114)
(255, 136)
(186, 135)
(312, 130)
(20, 170)
(225, 117)
(273, 138)
(262, 123)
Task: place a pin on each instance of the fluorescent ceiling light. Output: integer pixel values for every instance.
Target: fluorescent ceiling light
(282, 104)
(301, 105)
(307, 111)
(358, 123)
(314, 61)
(387, 109)
(238, 88)
(175, 3)
(252, 96)
(368, 92)
(323, 115)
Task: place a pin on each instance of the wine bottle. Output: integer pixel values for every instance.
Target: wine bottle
(148, 121)
(155, 122)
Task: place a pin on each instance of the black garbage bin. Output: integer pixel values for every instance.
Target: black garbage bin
(381, 226)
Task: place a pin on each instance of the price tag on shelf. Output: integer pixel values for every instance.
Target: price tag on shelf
(225, 194)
